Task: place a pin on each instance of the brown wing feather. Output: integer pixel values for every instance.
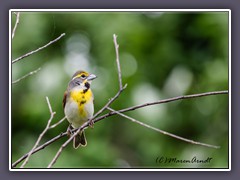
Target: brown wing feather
(64, 99)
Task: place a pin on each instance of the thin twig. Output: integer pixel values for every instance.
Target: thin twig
(41, 135)
(162, 102)
(117, 60)
(45, 144)
(109, 102)
(40, 148)
(16, 24)
(40, 48)
(26, 75)
(114, 113)
(119, 80)
(164, 132)
(62, 147)
(56, 124)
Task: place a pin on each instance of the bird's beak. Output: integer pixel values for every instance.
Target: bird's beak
(91, 77)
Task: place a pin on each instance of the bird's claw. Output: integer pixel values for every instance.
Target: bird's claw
(69, 130)
(91, 124)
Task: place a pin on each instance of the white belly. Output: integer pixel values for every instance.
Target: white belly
(75, 117)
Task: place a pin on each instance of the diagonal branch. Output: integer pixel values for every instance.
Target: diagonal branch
(162, 102)
(109, 102)
(16, 24)
(62, 147)
(26, 75)
(39, 148)
(56, 124)
(85, 125)
(38, 49)
(41, 135)
(163, 132)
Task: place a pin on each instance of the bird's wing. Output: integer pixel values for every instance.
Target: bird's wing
(64, 99)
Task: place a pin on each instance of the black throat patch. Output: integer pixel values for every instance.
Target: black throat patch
(87, 85)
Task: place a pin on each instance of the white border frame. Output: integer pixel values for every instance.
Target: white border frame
(119, 10)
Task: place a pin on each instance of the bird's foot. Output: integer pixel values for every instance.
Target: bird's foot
(91, 124)
(69, 130)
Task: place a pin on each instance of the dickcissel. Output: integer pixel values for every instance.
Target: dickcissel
(78, 103)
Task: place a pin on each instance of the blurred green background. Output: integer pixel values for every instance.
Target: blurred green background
(162, 55)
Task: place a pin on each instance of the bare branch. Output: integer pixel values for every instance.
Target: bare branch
(117, 60)
(163, 132)
(40, 48)
(41, 135)
(85, 125)
(162, 102)
(26, 75)
(40, 148)
(109, 102)
(62, 147)
(115, 112)
(119, 79)
(16, 24)
(56, 124)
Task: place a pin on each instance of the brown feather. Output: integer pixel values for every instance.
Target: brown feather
(64, 99)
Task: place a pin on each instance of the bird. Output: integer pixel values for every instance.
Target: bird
(78, 104)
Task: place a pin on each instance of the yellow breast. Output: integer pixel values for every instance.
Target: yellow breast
(81, 98)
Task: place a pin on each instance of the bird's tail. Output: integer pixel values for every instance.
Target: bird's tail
(79, 140)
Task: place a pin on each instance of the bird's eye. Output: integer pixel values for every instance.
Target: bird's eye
(83, 76)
